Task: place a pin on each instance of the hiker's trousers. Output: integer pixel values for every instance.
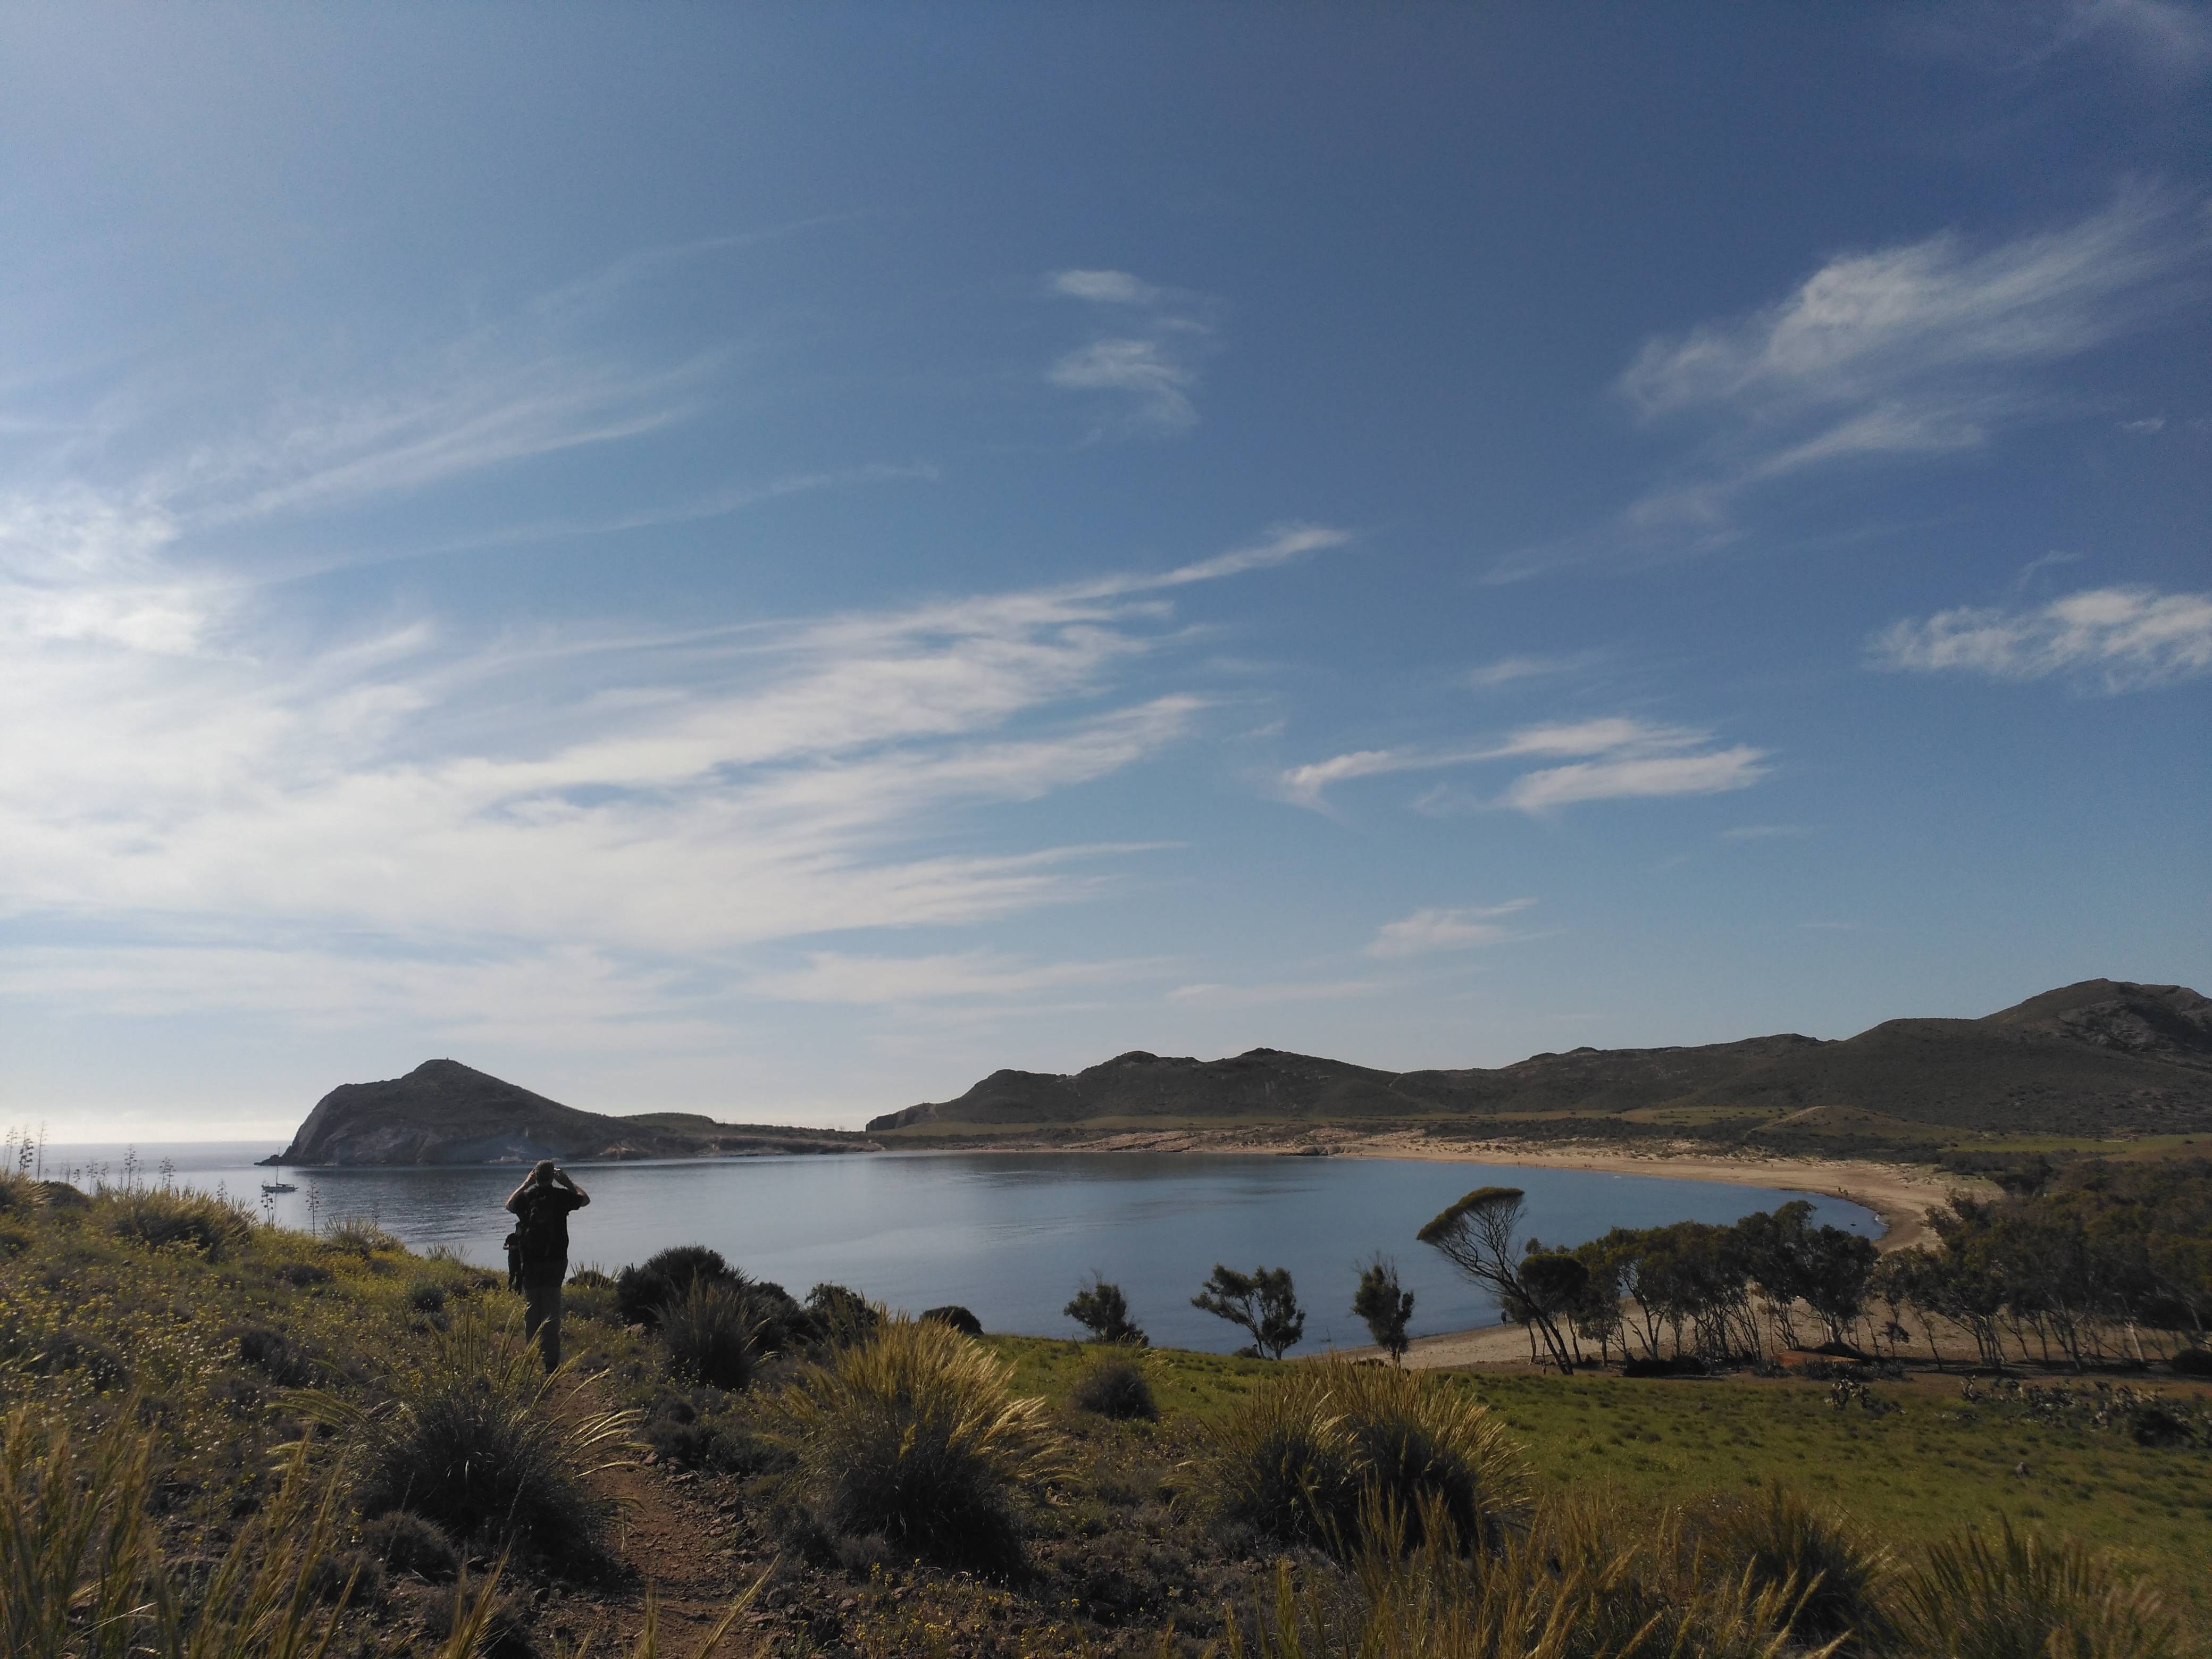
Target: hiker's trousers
(541, 1315)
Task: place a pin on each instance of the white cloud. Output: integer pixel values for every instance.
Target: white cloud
(1149, 364)
(1909, 352)
(2150, 426)
(1634, 776)
(1506, 670)
(1641, 758)
(1158, 384)
(833, 977)
(2115, 639)
(1256, 996)
(1104, 287)
(1443, 930)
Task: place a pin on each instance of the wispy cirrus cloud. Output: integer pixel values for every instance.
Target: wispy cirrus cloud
(1627, 757)
(1148, 360)
(1507, 670)
(833, 977)
(1899, 354)
(1444, 929)
(2107, 639)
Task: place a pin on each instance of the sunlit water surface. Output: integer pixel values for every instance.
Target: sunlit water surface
(1008, 1235)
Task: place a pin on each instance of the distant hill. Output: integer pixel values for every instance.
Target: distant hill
(2099, 1058)
(444, 1112)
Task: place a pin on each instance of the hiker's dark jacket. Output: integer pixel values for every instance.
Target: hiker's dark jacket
(541, 1233)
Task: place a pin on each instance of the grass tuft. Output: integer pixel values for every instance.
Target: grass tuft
(915, 1435)
(2025, 1596)
(1116, 1385)
(484, 1442)
(159, 1219)
(714, 1334)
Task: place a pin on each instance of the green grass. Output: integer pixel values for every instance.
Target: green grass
(1933, 1465)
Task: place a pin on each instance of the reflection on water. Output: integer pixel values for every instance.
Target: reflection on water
(1009, 1234)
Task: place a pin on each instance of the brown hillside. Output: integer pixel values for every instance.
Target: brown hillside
(2102, 1057)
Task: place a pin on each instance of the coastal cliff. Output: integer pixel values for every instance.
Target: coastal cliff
(444, 1112)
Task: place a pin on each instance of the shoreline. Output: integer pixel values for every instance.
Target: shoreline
(1899, 1195)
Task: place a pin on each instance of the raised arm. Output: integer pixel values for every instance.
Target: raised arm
(514, 1198)
(568, 1181)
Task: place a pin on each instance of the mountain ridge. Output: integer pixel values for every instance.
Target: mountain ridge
(2133, 1058)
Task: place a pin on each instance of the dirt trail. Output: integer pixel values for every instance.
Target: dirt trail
(690, 1547)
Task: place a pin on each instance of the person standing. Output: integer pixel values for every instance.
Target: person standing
(541, 1206)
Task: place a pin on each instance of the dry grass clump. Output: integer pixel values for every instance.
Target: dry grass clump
(714, 1334)
(157, 1219)
(1117, 1385)
(1303, 1455)
(485, 1444)
(81, 1572)
(2025, 1597)
(915, 1436)
(1841, 1576)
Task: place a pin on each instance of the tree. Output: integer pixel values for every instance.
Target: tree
(1476, 1236)
(1104, 1310)
(1384, 1306)
(1261, 1301)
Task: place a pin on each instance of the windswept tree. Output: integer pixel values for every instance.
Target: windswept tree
(1261, 1301)
(1385, 1306)
(1104, 1311)
(1477, 1236)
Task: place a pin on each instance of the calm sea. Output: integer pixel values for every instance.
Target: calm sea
(1008, 1235)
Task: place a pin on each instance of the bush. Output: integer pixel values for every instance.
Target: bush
(408, 1543)
(958, 1317)
(270, 1353)
(1103, 1311)
(713, 1333)
(1303, 1454)
(1837, 1575)
(426, 1296)
(1115, 1386)
(486, 1443)
(842, 1317)
(681, 1432)
(157, 1219)
(2192, 1362)
(916, 1435)
(358, 1235)
(641, 1290)
(2025, 1596)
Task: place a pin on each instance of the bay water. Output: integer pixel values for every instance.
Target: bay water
(1010, 1235)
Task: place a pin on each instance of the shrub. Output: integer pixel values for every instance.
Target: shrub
(1103, 1311)
(1837, 1575)
(484, 1441)
(1115, 1386)
(2192, 1362)
(426, 1296)
(408, 1543)
(958, 1317)
(593, 1302)
(916, 1435)
(1301, 1456)
(642, 1289)
(270, 1353)
(713, 1333)
(842, 1317)
(157, 1219)
(2025, 1596)
(1282, 1463)
(358, 1235)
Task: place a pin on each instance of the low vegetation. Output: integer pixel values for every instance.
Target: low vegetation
(358, 1437)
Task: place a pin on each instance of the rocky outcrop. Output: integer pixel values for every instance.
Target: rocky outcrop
(444, 1112)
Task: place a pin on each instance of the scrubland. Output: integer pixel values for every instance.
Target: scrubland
(226, 1439)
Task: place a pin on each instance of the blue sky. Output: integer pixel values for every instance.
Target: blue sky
(776, 560)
